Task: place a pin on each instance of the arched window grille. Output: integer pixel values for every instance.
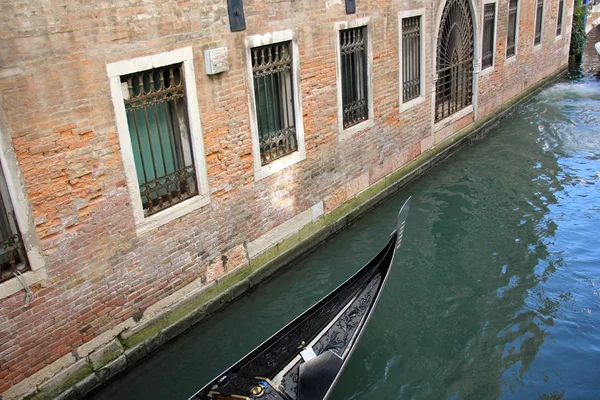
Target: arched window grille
(454, 87)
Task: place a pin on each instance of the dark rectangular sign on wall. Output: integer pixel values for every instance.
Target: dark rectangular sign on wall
(237, 22)
(350, 6)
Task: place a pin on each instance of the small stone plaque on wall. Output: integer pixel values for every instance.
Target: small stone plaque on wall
(216, 60)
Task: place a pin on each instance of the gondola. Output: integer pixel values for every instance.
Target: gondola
(305, 358)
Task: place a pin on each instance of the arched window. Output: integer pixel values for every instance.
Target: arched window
(454, 87)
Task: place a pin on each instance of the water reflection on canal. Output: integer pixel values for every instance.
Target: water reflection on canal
(495, 293)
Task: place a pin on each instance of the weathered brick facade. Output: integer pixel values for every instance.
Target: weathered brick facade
(96, 272)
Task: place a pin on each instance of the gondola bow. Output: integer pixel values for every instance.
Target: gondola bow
(304, 359)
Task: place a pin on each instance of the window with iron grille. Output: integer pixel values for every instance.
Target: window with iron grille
(13, 259)
(455, 53)
(411, 58)
(511, 37)
(160, 136)
(354, 77)
(539, 12)
(559, 21)
(489, 33)
(274, 100)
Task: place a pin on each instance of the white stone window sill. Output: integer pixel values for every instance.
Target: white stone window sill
(349, 132)
(14, 285)
(453, 118)
(412, 103)
(511, 60)
(167, 215)
(487, 70)
(278, 165)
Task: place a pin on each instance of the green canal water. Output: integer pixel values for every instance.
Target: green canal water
(496, 290)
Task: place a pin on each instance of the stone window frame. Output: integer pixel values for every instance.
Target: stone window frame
(513, 57)
(115, 71)
(15, 186)
(260, 171)
(537, 46)
(369, 122)
(420, 12)
(562, 19)
(489, 69)
(472, 108)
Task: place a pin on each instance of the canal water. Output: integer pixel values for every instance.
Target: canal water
(494, 294)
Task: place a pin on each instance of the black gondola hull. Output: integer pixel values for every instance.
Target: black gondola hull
(304, 359)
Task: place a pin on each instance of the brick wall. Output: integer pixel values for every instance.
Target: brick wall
(512, 76)
(58, 111)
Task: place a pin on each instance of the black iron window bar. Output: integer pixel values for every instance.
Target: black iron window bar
(559, 19)
(512, 28)
(489, 15)
(454, 89)
(274, 98)
(353, 50)
(538, 22)
(159, 129)
(411, 58)
(454, 85)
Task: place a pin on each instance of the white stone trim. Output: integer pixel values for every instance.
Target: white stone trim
(338, 26)
(260, 171)
(15, 186)
(284, 230)
(491, 68)
(510, 60)
(115, 71)
(420, 12)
